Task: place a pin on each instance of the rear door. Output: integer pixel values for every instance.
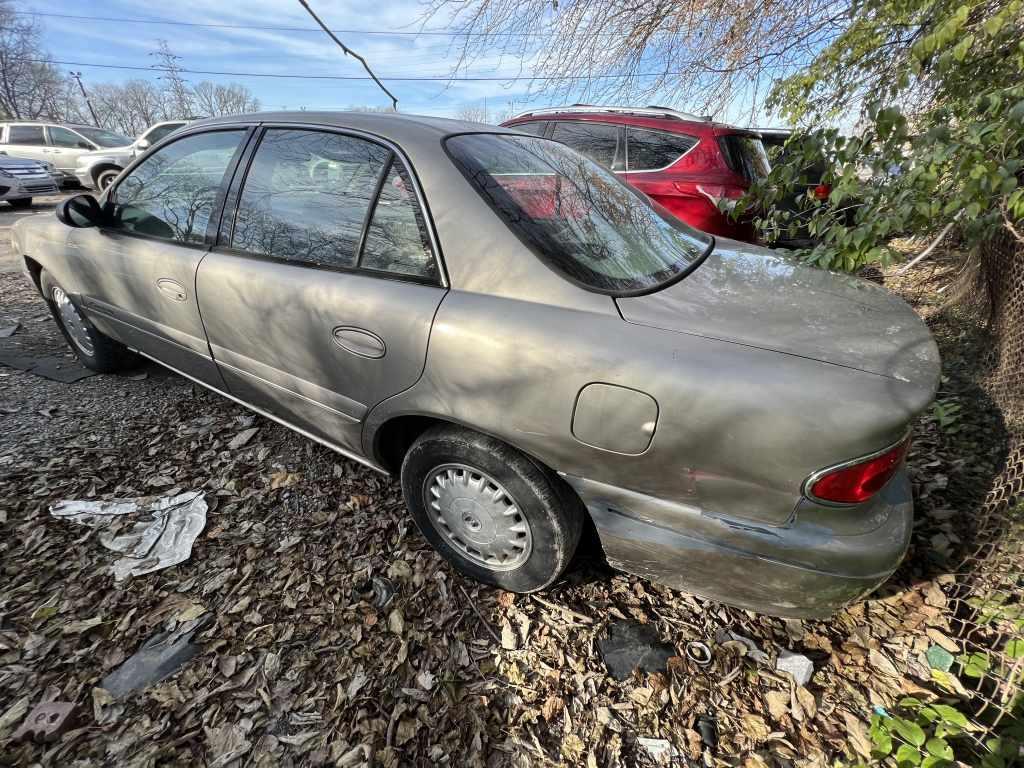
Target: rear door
(27, 141)
(138, 274)
(319, 297)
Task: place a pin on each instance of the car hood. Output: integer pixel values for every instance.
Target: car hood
(767, 299)
(6, 161)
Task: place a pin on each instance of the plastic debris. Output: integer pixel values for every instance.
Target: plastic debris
(797, 665)
(162, 536)
(707, 727)
(660, 749)
(939, 658)
(378, 590)
(752, 650)
(158, 658)
(47, 721)
(698, 653)
(630, 646)
(53, 368)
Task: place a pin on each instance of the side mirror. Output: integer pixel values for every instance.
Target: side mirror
(142, 145)
(80, 211)
(85, 145)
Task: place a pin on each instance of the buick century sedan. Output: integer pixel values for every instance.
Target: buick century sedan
(531, 346)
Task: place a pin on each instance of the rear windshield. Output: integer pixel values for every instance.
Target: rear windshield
(104, 138)
(577, 216)
(745, 154)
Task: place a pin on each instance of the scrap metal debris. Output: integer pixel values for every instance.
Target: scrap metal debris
(630, 646)
(698, 653)
(161, 535)
(158, 658)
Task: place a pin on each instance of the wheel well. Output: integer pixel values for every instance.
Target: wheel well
(101, 167)
(395, 437)
(35, 269)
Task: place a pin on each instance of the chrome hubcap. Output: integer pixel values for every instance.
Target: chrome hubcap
(474, 514)
(74, 323)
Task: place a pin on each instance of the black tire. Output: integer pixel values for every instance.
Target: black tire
(106, 177)
(21, 202)
(107, 355)
(552, 511)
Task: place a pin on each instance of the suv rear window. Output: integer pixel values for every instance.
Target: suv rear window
(577, 216)
(654, 150)
(745, 154)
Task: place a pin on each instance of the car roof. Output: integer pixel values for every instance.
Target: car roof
(653, 118)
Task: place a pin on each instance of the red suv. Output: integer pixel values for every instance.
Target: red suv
(687, 163)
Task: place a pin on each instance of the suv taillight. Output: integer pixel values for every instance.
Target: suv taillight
(856, 482)
(821, 192)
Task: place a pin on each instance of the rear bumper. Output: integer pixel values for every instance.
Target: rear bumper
(808, 568)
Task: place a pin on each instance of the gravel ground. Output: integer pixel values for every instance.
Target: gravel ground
(303, 664)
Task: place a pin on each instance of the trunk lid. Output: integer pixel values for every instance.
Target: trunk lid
(749, 295)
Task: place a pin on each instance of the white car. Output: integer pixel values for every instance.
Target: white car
(95, 170)
(22, 179)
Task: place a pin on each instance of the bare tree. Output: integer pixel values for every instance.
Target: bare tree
(701, 54)
(29, 87)
(213, 99)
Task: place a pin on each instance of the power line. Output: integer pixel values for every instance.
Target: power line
(271, 28)
(395, 78)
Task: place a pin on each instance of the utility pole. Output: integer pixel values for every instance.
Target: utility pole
(78, 77)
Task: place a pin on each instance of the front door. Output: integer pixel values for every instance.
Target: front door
(66, 147)
(319, 301)
(138, 274)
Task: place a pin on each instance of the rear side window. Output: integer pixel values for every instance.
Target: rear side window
(536, 127)
(598, 141)
(26, 134)
(745, 154)
(172, 193)
(162, 130)
(653, 150)
(396, 240)
(306, 196)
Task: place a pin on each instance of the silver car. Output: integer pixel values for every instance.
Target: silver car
(21, 179)
(97, 169)
(60, 144)
(530, 345)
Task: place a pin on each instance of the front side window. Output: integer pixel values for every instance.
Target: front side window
(654, 150)
(396, 240)
(306, 196)
(598, 141)
(31, 135)
(62, 137)
(157, 133)
(577, 216)
(104, 138)
(172, 194)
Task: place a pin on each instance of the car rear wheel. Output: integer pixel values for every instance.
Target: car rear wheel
(105, 178)
(21, 202)
(493, 512)
(95, 349)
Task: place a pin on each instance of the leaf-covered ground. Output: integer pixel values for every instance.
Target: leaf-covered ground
(300, 667)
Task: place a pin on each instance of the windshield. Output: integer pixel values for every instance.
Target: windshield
(577, 216)
(104, 138)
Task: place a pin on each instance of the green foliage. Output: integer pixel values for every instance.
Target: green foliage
(941, 83)
(918, 734)
(946, 413)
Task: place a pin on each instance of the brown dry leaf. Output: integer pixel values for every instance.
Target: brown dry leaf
(807, 702)
(778, 704)
(553, 705)
(881, 663)
(755, 727)
(857, 734)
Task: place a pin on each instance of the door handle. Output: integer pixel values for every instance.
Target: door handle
(359, 341)
(171, 288)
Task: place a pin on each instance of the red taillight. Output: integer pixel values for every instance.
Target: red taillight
(821, 192)
(854, 483)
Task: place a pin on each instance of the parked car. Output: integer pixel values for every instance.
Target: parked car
(95, 170)
(58, 143)
(685, 162)
(520, 337)
(21, 179)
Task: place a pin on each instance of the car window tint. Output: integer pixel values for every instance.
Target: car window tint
(652, 150)
(172, 193)
(598, 141)
(577, 216)
(746, 155)
(62, 137)
(306, 196)
(396, 240)
(536, 127)
(26, 134)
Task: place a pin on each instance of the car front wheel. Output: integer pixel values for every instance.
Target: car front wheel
(92, 347)
(105, 178)
(493, 512)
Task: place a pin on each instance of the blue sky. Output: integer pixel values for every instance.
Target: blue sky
(295, 52)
